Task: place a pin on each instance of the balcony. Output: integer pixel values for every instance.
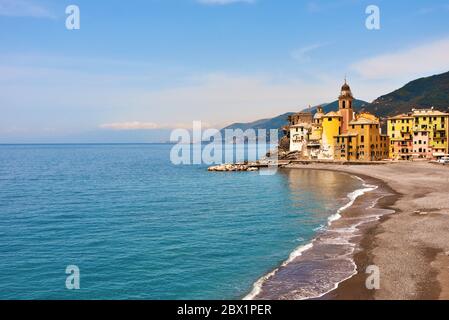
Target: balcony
(420, 127)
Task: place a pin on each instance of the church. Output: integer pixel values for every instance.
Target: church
(341, 135)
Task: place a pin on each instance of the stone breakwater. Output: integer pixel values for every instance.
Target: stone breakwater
(252, 166)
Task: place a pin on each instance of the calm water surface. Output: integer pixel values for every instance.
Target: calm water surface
(139, 227)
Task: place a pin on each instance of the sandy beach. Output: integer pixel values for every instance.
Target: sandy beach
(411, 244)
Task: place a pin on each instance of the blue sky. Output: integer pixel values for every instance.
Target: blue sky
(137, 69)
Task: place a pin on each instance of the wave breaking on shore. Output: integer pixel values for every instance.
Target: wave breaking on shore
(317, 268)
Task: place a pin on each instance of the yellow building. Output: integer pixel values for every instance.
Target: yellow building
(359, 136)
(423, 133)
(435, 123)
(331, 125)
(363, 140)
(339, 135)
(400, 131)
(316, 134)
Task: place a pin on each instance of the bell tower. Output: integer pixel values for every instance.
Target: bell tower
(345, 106)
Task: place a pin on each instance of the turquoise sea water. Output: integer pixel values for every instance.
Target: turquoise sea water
(139, 227)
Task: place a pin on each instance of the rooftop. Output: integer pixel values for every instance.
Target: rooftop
(332, 114)
(363, 121)
(400, 117)
(428, 112)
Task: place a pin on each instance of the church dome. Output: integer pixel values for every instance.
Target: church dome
(346, 91)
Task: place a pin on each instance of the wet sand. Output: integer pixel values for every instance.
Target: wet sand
(317, 268)
(411, 245)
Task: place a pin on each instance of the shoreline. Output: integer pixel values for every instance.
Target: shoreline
(410, 246)
(336, 240)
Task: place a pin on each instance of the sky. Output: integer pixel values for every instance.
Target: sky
(137, 69)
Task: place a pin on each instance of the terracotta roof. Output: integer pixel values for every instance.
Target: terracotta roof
(363, 121)
(401, 116)
(428, 112)
(332, 114)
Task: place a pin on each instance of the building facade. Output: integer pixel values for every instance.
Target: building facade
(420, 134)
(400, 131)
(338, 135)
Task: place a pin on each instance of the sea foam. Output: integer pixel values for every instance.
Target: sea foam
(257, 286)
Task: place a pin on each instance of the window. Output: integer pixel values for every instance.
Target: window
(362, 139)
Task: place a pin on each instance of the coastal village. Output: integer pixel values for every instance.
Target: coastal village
(345, 135)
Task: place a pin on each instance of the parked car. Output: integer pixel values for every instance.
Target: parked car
(444, 160)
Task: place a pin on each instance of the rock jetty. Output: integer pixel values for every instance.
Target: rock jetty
(235, 167)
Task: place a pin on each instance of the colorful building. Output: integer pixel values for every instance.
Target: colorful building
(316, 134)
(421, 134)
(339, 135)
(299, 135)
(299, 130)
(400, 131)
(363, 140)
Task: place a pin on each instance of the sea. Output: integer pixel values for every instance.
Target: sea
(136, 226)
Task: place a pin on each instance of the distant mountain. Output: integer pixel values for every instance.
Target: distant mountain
(267, 124)
(271, 123)
(282, 120)
(420, 93)
(425, 92)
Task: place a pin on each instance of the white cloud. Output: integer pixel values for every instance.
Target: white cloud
(421, 60)
(139, 125)
(85, 98)
(224, 2)
(302, 55)
(23, 8)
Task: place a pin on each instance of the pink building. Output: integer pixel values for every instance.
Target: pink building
(421, 145)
